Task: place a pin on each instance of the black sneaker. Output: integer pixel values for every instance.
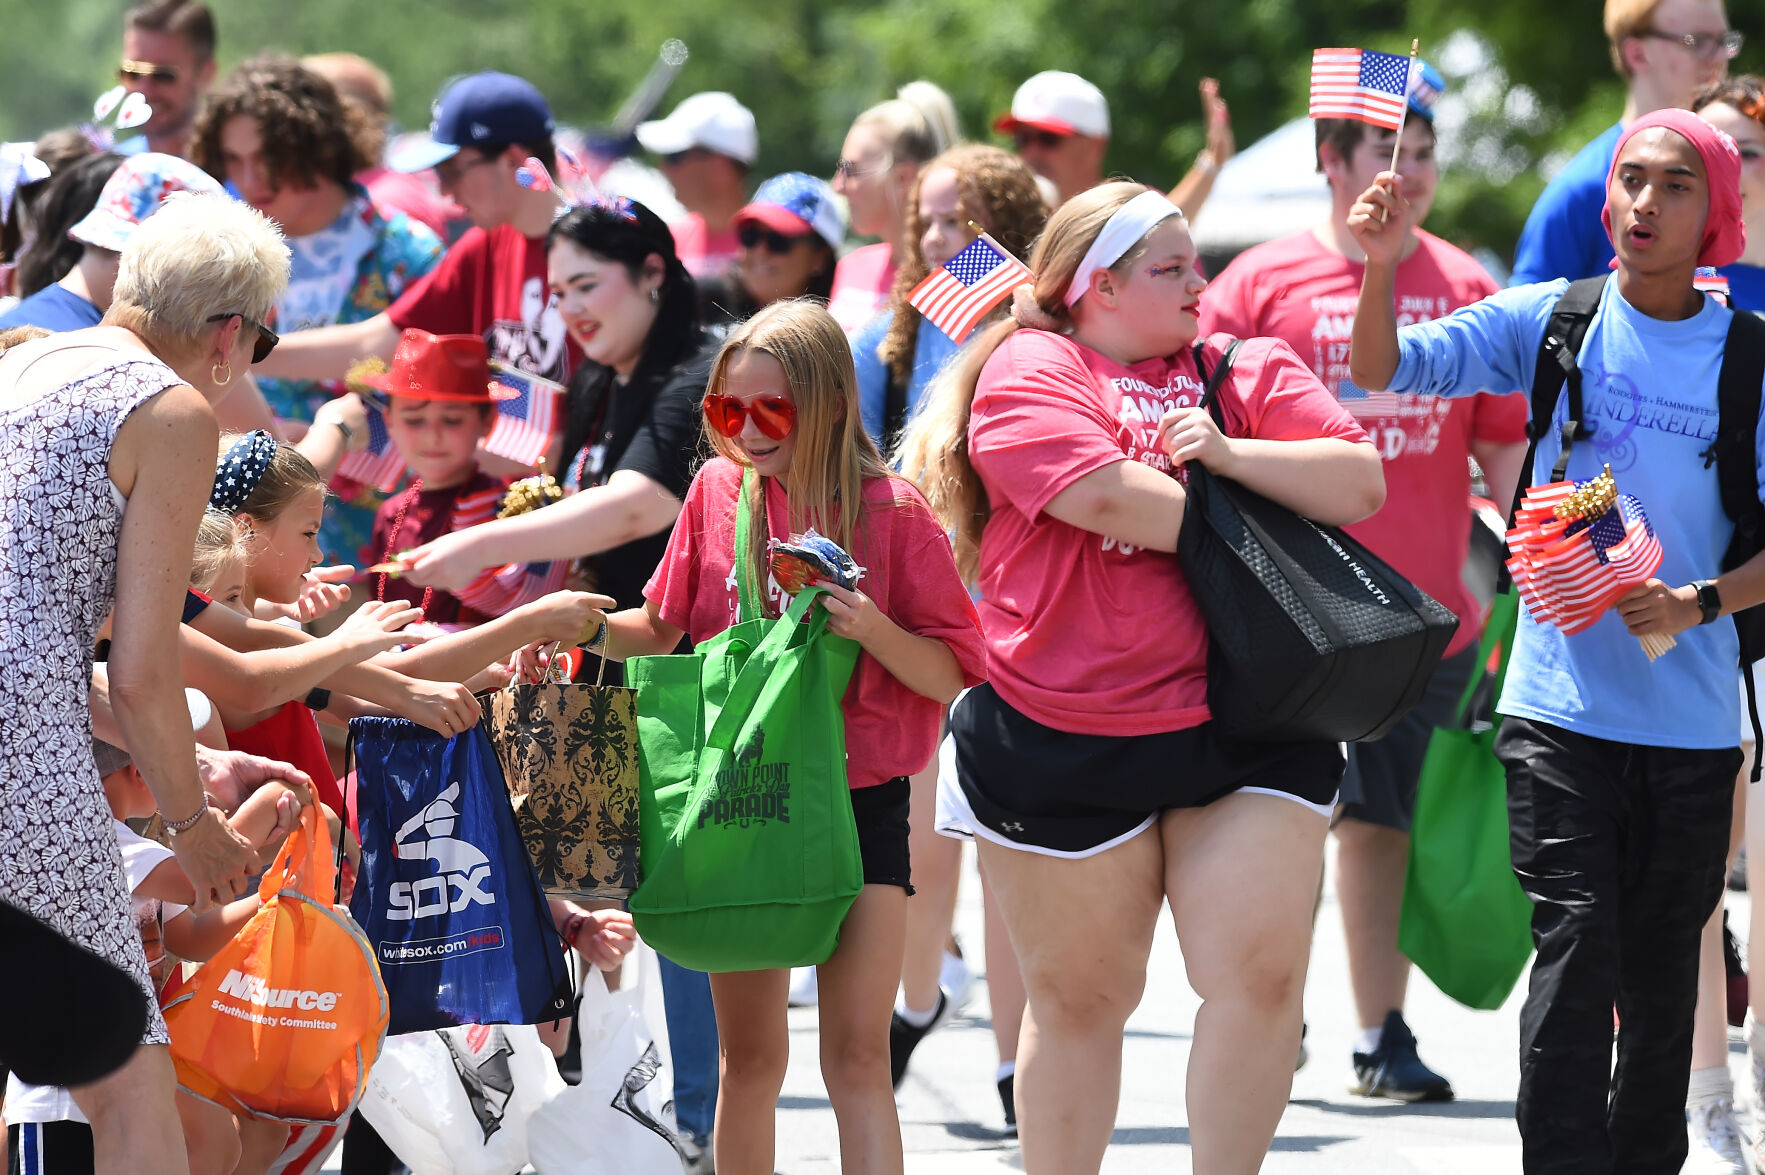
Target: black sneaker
(1394, 1070)
(1008, 1099)
(904, 1037)
(1304, 1056)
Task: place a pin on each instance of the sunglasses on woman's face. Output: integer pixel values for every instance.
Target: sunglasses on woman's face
(266, 338)
(752, 235)
(774, 416)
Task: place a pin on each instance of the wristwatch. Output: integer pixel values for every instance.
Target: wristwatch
(1709, 600)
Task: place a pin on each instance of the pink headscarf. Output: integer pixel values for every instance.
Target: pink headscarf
(1725, 237)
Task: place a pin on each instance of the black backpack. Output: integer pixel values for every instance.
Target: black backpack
(1733, 452)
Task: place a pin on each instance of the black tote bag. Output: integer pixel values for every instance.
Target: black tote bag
(1311, 636)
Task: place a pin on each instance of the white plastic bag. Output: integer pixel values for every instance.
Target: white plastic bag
(457, 1101)
(621, 1117)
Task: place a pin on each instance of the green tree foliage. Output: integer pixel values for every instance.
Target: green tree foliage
(807, 66)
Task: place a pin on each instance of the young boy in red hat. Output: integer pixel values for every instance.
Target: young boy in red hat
(443, 404)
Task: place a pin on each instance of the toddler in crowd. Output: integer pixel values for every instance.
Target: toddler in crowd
(46, 1133)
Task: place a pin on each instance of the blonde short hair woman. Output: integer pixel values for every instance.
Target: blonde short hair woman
(121, 414)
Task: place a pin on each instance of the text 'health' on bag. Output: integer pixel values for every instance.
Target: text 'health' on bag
(446, 893)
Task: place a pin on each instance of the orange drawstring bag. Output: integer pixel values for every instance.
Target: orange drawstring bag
(285, 1021)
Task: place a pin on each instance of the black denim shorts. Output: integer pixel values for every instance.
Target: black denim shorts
(881, 812)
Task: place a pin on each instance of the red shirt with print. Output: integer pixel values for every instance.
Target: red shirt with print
(910, 573)
(1303, 293)
(1086, 634)
(494, 284)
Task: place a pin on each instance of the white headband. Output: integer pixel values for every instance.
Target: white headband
(1131, 221)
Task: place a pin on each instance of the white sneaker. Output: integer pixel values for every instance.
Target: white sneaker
(804, 991)
(695, 1158)
(1756, 1084)
(1715, 1139)
(956, 979)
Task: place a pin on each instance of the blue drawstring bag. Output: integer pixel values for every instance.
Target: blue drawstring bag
(446, 893)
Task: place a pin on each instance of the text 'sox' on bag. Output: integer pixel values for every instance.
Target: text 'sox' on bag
(569, 752)
(750, 849)
(1312, 636)
(286, 1020)
(446, 894)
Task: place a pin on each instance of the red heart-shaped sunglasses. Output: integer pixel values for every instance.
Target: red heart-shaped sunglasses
(774, 416)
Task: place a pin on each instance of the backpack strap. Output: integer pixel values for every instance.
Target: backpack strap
(1734, 453)
(1557, 365)
(1211, 384)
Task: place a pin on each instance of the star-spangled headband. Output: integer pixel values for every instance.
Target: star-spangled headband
(532, 174)
(241, 468)
(1131, 221)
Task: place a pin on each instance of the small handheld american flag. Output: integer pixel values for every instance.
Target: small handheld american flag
(524, 424)
(1360, 84)
(1575, 547)
(961, 293)
(379, 465)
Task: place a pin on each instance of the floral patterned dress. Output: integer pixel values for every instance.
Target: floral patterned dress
(60, 517)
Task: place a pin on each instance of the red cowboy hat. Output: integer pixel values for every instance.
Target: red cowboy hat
(441, 367)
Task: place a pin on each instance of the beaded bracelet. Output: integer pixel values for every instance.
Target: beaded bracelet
(176, 826)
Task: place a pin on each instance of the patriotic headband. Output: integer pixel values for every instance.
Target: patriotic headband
(1131, 221)
(240, 470)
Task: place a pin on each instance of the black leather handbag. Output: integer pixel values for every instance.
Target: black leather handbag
(1312, 636)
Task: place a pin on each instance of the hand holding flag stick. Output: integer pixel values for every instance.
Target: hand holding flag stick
(1576, 547)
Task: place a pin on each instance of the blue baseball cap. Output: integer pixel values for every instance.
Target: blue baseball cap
(480, 110)
(794, 204)
(1426, 86)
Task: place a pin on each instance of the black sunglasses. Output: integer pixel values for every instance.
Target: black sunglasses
(1047, 140)
(146, 71)
(751, 235)
(266, 338)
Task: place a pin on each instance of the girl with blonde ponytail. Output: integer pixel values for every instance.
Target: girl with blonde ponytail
(781, 416)
(1088, 768)
(879, 162)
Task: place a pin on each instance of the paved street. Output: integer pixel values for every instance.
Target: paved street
(949, 1107)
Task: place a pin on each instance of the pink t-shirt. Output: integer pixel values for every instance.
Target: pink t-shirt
(1085, 634)
(704, 253)
(1296, 290)
(910, 573)
(861, 285)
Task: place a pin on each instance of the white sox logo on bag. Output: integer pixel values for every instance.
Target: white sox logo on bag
(748, 790)
(465, 870)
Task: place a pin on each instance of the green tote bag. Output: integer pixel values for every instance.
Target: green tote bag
(748, 847)
(1466, 923)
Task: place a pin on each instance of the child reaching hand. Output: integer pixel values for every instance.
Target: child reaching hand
(782, 403)
(46, 1132)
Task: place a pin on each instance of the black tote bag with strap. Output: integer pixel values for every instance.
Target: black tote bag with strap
(1311, 636)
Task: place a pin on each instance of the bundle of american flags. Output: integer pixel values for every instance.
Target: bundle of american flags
(1575, 547)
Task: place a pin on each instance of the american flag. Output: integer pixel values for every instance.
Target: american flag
(379, 465)
(1711, 281)
(1360, 84)
(968, 286)
(1570, 580)
(523, 429)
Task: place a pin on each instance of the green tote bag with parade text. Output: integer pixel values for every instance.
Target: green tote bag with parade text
(749, 851)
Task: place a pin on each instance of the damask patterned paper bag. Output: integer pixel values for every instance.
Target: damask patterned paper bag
(569, 753)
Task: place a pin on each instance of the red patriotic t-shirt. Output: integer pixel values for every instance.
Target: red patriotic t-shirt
(1085, 634)
(910, 573)
(493, 284)
(1296, 290)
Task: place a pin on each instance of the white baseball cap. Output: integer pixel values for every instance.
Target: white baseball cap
(712, 120)
(1063, 103)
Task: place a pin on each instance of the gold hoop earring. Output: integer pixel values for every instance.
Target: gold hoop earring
(214, 373)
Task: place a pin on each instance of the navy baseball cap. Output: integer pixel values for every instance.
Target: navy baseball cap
(480, 110)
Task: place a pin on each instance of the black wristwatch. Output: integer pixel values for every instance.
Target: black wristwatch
(1709, 600)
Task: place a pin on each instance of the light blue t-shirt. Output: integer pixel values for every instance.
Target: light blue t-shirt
(932, 349)
(1564, 236)
(1649, 389)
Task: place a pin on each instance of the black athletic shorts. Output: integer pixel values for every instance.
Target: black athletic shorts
(1379, 784)
(1049, 790)
(49, 1148)
(881, 812)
